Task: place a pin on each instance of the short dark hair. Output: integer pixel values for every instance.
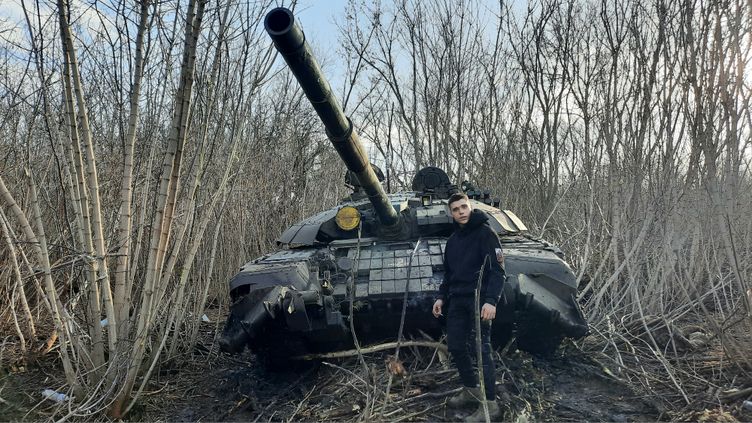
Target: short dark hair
(457, 197)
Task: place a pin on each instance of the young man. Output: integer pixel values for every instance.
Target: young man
(472, 244)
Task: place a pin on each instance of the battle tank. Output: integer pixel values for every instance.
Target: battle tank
(376, 260)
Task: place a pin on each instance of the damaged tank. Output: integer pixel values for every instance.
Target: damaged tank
(376, 256)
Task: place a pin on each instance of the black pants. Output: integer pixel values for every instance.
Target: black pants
(461, 343)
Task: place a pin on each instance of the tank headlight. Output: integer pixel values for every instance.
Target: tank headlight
(347, 218)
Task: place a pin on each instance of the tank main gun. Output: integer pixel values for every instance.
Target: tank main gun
(290, 41)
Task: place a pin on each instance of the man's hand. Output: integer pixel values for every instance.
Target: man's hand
(437, 308)
(488, 312)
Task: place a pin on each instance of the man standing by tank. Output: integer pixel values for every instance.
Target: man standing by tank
(472, 246)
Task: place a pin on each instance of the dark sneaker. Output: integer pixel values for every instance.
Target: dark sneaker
(494, 412)
(467, 396)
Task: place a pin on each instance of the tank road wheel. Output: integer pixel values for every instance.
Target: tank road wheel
(536, 336)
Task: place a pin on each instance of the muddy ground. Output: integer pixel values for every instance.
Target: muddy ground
(566, 387)
(576, 384)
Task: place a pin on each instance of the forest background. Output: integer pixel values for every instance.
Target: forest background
(151, 148)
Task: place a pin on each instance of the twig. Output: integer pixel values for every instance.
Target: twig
(244, 404)
(266, 408)
(434, 373)
(428, 395)
(348, 372)
(656, 351)
(402, 322)
(351, 296)
(408, 416)
(375, 348)
(300, 405)
(479, 343)
(734, 395)
(276, 397)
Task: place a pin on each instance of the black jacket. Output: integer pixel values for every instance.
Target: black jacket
(465, 251)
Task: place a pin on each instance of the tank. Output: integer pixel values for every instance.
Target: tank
(359, 266)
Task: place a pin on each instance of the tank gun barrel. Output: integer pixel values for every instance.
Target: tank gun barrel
(290, 41)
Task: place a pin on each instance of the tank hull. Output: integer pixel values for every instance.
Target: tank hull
(305, 295)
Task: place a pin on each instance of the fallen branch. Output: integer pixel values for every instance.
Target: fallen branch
(375, 348)
(735, 394)
(410, 416)
(429, 395)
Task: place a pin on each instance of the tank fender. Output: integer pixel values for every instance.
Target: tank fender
(549, 299)
(264, 275)
(247, 316)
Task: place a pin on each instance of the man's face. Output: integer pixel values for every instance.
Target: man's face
(460, 211)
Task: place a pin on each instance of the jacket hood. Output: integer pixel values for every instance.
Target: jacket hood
(477, 218)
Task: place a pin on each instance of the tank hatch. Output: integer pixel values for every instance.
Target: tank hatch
(433, 181)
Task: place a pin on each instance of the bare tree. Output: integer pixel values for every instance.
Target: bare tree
(165, 134)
